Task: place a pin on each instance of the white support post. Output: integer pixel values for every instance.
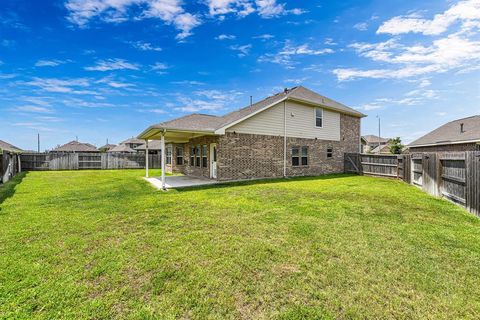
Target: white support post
(162, 146)
(146, 158)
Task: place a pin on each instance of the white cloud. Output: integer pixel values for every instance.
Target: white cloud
(35, 109)
(444, 54)
(296, 81)
(207, 100)
(50, 63)
(330, 42)
(242, 50)
(61, 85)
(171, 12)
(189, 82)
(114, 83)
(269, 8)
(222, 7)
(466, 12)
(284, 56)
(361, 26)
(225, 37)
(264, 37)
(112, 64)
(265, 8)
(160, 66)
(144, 46)
(441, 114)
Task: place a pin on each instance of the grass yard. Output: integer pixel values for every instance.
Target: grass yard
(104, 244)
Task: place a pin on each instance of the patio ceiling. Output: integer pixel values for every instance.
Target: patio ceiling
(173, 135)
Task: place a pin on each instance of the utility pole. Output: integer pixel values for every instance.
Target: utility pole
(38, 142)
(379, 134)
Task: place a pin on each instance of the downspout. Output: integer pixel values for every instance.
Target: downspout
(284, 138)
(162, 146)
(146, 158)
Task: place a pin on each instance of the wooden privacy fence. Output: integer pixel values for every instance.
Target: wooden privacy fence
(9, 165)
(87, 160)
(451, 175)
(392, 166)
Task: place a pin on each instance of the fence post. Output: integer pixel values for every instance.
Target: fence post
(472, 192)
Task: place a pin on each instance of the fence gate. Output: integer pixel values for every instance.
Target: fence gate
(417, 170)
(430, 179)
(473, 182)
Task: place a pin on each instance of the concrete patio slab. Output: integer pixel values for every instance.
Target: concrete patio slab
(175, 182)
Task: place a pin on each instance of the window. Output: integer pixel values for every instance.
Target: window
(192, 156)
(179, 152)
(304, 156)
(204, 156)
(318, 117)
(299, 156)
(168, 155)
(329, 152)
(197, 156)
(295, 157)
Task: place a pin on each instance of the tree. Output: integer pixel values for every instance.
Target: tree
(396, 146)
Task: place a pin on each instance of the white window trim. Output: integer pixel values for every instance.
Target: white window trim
(315, 117)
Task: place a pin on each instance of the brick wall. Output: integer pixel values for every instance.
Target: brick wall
(248, 156)
(194, 170)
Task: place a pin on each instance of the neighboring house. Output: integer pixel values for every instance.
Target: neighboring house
(294, 133)
(122, 148)
(5, 146)
(154, 147)
(458, 135)
(382, 149)
(107, 147)
(133, 143)
(75, 146)
(370, 142)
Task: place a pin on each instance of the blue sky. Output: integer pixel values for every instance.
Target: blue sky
(101, 69)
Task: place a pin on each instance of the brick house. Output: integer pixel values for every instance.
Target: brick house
(458, 135)
(293, 133)
(371, 142)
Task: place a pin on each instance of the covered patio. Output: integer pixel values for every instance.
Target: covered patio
(179, 131)
(175, 182)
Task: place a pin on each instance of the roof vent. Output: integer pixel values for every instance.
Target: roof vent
(285, 90)
(462, 130)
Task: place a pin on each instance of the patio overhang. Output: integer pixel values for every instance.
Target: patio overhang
(172, 135)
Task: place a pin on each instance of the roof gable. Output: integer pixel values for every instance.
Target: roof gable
(370, 138)
(217, 124)
(75, 146)
(9, 147)
(451, 133)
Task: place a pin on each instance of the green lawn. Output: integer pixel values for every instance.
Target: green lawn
(104, 244)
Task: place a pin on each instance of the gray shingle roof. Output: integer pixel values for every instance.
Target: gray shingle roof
(210, 123)
(200, 122)
(122, 148)
(152, 145)
(9, 147)
(133, 140)
(75, 146)
(370, 138)
(107, 146)
(451, 132)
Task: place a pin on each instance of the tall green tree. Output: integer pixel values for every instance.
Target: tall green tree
(396, 146)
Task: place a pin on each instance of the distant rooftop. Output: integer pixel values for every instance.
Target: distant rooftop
(457, 131)
(370, 138)
(9, 147)
(75, 146)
